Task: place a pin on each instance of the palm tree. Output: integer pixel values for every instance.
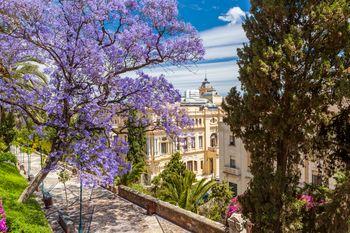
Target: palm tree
(185, 191)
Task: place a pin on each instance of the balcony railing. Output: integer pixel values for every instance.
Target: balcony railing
(212, 149)
(232, 171)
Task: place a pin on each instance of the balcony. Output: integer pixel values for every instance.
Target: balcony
(213, 149)
(232, 171)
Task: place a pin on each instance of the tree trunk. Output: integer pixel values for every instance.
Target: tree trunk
(39, 178)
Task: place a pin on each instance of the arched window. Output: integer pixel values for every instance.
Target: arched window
(214, 140)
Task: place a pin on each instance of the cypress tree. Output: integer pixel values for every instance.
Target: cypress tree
(295, 59)
(136, 140)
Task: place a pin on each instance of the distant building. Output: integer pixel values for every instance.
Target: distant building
(200, 150)
(207, 91)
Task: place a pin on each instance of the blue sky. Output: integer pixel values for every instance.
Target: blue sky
(220, 26)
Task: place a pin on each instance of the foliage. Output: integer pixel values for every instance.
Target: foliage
(222, 192)
(333, 140)
(289, 72)
(335, 217)
(27, 217)
(133, 175)
(7, 124)
(136, 139)
(184, 190)
(175, 165)
(178, 186)
(8, 157)
(88, 82)
(219, 198)
(140, 188)
(29, 140)
(63, 176)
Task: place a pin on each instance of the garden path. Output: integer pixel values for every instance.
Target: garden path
(103, 211)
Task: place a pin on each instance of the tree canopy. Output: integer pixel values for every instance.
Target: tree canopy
(87, 50)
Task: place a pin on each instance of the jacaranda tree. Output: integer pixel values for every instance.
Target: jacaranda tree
(92, 51)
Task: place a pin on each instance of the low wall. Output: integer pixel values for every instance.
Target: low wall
(186, 219)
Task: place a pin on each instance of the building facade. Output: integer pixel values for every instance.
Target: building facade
(200, 148)
(235, 162)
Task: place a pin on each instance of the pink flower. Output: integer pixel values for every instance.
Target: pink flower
(234, 207)
(309, 201)
(3, 226)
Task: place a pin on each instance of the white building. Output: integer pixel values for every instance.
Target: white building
(235, 162)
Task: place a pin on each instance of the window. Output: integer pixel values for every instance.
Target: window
(190, 165)
(200, 121)
(234, 188)
(213, 140)
(232, 140)
(202, 164)
(185, 146)
(213, 120)
(211, 165)
(232, 163)
(195, 166)
(196, 121)
(163, 148)
(316, 180)
(148, 148)
(156, 146)
(193, 142)
(178, 145)
(200, 141)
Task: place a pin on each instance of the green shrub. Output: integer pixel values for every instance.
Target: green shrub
(140, 188)
(8, 157)
(21, 218)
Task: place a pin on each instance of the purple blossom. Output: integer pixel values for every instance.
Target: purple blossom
(87, 49)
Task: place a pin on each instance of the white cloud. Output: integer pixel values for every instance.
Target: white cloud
(222, 42)
(234, 15)
(222, 75)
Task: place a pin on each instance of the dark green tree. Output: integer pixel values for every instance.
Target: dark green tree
(295, 59)
(175, 165)
(136, 139)
(7, 127)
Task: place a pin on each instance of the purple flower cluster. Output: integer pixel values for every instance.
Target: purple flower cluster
(3, 226)
(88, 49)
(234, 207)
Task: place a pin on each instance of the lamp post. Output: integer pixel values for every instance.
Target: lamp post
(81, 207)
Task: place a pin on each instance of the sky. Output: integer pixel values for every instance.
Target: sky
(219, 23)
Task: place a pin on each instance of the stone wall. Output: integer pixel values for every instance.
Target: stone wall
(186, 219)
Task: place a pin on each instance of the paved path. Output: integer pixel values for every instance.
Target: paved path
(106, 211)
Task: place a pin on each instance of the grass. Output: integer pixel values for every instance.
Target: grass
(20, 218)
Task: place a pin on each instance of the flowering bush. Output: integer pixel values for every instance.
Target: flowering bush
(309, 201)
(3, 227)
(234, 207)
